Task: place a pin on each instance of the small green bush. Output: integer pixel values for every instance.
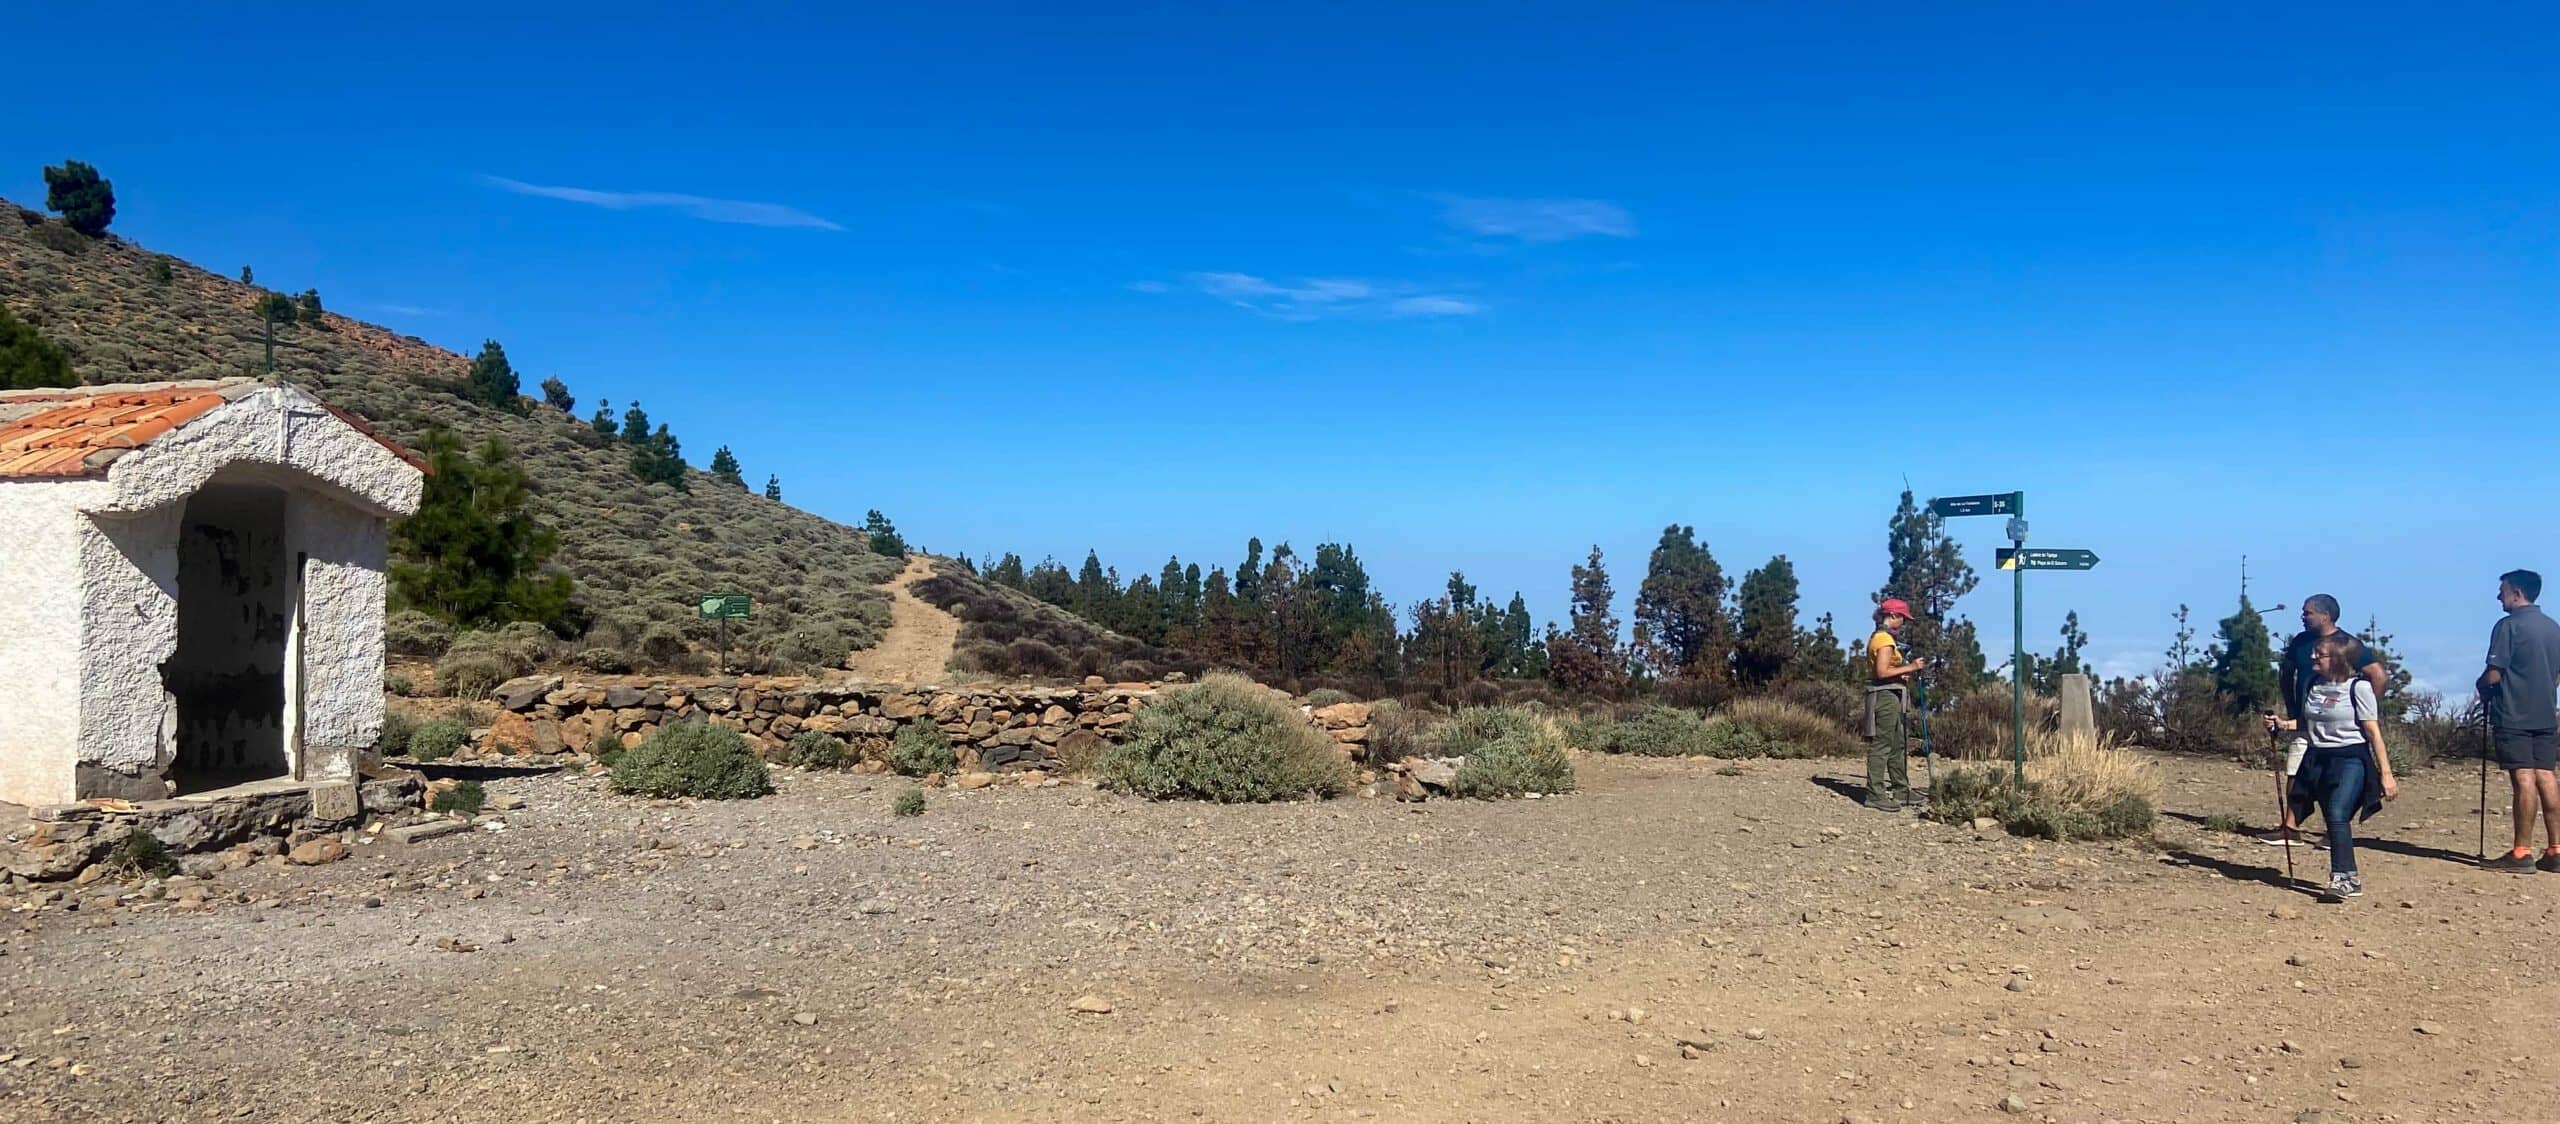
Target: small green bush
(1327, 696)
(2225, 823)
(1225, 739)
(397, 730)
(471, 675)
(920, 748)
(1396, 731)
(1528, 759)
(400, 685)
(1798, 731)
(59, 237)
(711, 762)
(2031, 810)
(1475, 727)
(605, 747)
(1734, 741)
(604, 661)
(408, 632)
(466, 797)
(908, 803)
(437, 739)
(1663, 731)
(1592, 733)
(810, 749)
(140, 853)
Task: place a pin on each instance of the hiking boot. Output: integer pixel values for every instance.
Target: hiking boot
(1884, 807)
(2341, 887)
(2550, 863)
(2510, 863)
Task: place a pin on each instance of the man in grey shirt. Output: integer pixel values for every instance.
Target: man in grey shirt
(2521, 688)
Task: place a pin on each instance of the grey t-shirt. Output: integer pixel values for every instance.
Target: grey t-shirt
(2330, 714)
(2525, 648)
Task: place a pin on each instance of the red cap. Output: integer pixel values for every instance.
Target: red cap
(1896, 606)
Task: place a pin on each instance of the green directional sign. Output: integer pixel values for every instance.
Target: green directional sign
(1951, 507)
(726, 606)
(2041, 559)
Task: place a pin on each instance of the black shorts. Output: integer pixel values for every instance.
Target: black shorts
(2526, 749)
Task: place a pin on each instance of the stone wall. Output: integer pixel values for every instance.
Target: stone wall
(994, 725)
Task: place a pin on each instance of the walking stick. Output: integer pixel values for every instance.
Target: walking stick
(2283, 804)
(2488, 746)
(1928, 752)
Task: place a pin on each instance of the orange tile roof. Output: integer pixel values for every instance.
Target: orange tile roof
(59, 441)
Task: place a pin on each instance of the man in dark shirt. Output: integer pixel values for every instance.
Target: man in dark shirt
(2319, 619)
(2521, 689)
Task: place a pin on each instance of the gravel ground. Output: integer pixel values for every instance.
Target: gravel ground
(1669, 942)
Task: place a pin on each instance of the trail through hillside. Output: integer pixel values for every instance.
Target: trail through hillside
(918, 646)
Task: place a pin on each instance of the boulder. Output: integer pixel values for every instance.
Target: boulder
(1341, 715)
(624, 698)
(975, 780)
(516, 734)
(1430, 772)
(1056, 716)
(524, 692)
(902, 706)
(315, 852)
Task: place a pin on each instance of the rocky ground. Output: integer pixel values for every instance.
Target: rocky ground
(1669, 943)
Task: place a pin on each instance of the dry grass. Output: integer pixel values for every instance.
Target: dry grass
(1811, 734)
(2089, 771)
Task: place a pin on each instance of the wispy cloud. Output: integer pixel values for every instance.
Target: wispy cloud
(702, 207)
(1538, 220)
(1312, 298)
(402, 309)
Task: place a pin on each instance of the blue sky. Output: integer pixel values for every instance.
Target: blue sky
(1464, 286)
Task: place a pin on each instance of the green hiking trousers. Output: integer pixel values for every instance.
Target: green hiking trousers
(1888, 749)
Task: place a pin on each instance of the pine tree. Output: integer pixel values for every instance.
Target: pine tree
(28, 360)
(724, 468)
(773, 487)
(2182, 654)
(306, 308)
(1926, 568)
(1586, 658)
(603, 421)
(2396, 680)
(275, 308)
(1518, 653)
(1249, 573)
(555, 394)
(474, 554)
(491, 381)
(2045, 674)
(635, 424)
(86, 201)
(1819, 656)
(1008, 571)
(1448, 647)
(659, 458)
(1766, 639)
(1682, 628)
(247, 277)
(2244, 662)
(885, 540)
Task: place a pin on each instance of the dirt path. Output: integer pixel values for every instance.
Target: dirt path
(810, 957)
(918, 646)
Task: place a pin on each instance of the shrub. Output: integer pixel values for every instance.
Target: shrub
(437, 739)
(1806, 733)
(1225, 739)
(470, 675)
(399, 685)
(140, 853)
(465, 797)
(1475, 727)
(1661, 731)
(920, 748)
(1977, 725)
(2225, 823)
(1594, 733)
(408, 632)
(810, 749)
(1528, 759)
(1396, 731)
(1737, 742)
(2076, 789)
(1327, 696)
(605, 747)
(398, 729)
(1843, 703)
(55, 236)
(478, 661)
(908, 803)
(604, 661)
(711, 762)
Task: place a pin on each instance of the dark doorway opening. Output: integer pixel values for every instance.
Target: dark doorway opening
(236, 592)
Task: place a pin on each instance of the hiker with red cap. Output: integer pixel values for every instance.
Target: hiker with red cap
(1888, 709)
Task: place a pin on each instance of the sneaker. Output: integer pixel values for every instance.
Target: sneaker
(2341, 887)
(2510, 863)
(2280, 839)
(2550, 863)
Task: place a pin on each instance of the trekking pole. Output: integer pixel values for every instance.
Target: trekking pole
(2488, 745)
(2283, 804)
(1928, 751)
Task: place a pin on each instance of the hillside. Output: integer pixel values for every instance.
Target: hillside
(641, 554)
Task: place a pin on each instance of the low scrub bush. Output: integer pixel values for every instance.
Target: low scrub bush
(1529, 758)
(140, 854)
(479, 661)
(810, 749)
(2075, 789)
(463, 798)
(1327, 696)
(1661, 731)
(1843, 703)
(908, 803)
(920, 748)
(1977, 726)
(1591, 733)
(470, 675)
(1225, 739)
(408, 632)
(1396, 731)
(1734, 741)
(1804, 732)
(397, 729)
(605, 747)
(1472, 728)
(711, 762)
(438, 738)
(603, 660)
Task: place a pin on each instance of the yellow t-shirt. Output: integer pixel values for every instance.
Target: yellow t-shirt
(1879, 642)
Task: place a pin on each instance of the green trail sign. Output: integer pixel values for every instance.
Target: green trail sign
(2001, 503)
(726, 606)
(2021, 557)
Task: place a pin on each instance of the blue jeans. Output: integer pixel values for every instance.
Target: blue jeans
(2338, 778)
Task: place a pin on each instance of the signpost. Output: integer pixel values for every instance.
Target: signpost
(723, 607)
(2016, 559)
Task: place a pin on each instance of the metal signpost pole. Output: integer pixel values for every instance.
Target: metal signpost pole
(2018, 641)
